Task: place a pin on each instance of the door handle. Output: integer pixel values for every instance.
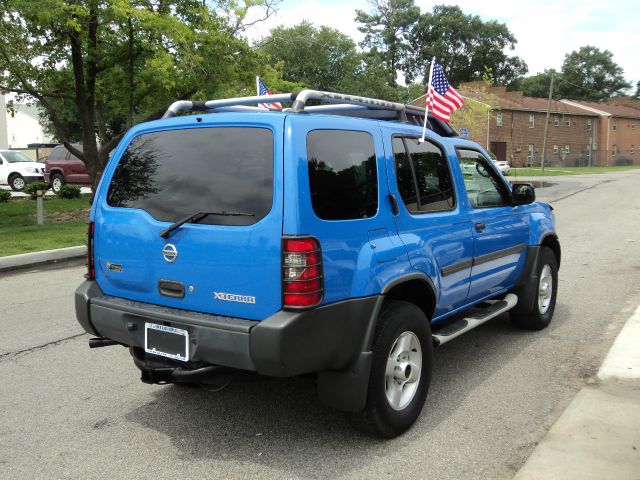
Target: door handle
(394, 204)
(480, 227)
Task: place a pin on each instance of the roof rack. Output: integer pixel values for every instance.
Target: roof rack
(334, 104)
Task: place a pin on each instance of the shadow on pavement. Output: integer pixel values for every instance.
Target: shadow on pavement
(280, 423)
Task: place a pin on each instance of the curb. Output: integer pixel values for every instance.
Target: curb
(25, 260)
(598, 434)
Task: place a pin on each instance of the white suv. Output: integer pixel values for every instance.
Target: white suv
(17, 169)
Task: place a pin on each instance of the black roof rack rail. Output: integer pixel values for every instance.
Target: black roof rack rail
(331, 104)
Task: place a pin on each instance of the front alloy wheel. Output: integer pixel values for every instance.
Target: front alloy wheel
(17, 183)
(544, 303)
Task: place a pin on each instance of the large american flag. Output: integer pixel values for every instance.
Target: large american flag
(263, 90)
(442, 99)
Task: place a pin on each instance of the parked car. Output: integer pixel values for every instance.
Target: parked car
(324, 240)
(17, 169)
(63, 167)
(502, 165)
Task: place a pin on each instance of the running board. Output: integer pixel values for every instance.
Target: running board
(474, 319)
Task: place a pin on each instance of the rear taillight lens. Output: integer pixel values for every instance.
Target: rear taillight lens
(302, 284)
(91, 271)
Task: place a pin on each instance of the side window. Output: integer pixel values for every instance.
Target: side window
(423, 176)
(57, 153)
(342, 174)
(404, 176)
(484, 187)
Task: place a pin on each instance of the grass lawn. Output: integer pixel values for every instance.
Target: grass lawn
(554, 171)
(64, 225)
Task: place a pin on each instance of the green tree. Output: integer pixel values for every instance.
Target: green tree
(317, 57)
(475, 111)
(536, 85)
(637, 95)
(591, 74)
(467, 47)
(101, 66)
(386, 32)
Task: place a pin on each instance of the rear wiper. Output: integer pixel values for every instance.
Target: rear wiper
(196, 217)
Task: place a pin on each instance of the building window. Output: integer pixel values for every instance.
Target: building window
(567, 120)
(615, 150)
(556, 120)
(566, 149)
(589, 124)
(615, 125)
(531, 151)
(633, 126)
(556, 149)
(632, 149)
(532, 120)
(499, 119)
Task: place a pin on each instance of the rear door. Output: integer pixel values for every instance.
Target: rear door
(435, 230)
(227, 265)
(77, 170)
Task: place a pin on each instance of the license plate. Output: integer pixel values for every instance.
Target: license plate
(166, 341)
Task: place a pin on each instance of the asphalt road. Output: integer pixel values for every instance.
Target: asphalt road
(70, 412)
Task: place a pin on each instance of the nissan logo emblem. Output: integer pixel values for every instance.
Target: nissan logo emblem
(170, 252)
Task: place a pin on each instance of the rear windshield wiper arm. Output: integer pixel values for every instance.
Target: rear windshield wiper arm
(196, 217)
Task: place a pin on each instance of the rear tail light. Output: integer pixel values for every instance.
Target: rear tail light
(302, 284)
(91, 271)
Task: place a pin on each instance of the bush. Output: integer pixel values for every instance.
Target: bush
(4, 196)
(69, 191)
(32, 188)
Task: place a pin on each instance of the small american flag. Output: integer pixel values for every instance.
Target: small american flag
(442, 98)
(263, 90)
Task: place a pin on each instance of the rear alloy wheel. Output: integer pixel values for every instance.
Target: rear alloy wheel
(546, 291)
(56, 182)
(17, 183)
(400, 371)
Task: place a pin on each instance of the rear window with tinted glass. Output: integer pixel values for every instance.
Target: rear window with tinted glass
(172, 174)
(342, 174)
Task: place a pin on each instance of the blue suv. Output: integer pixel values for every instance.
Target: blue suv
(325, 239)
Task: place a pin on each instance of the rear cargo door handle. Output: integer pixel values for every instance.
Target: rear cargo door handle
(480, 227)
(171, 288)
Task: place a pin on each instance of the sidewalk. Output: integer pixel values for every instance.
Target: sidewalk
(598, 435)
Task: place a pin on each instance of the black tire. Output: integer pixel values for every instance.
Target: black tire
(539, 317)
(57, 181)
(16, 182)
(379, 418)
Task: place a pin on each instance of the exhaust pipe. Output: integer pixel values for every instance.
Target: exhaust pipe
(102, 342)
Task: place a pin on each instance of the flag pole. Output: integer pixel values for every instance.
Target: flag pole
(257, 85)
(426, 108)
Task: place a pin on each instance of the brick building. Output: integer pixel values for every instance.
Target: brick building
(618, 138)
(579, 133)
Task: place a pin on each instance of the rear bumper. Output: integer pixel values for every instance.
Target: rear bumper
(288, 343)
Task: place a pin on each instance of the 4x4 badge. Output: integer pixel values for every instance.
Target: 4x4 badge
(170, 252)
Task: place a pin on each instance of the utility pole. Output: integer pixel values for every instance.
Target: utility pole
(546, 124)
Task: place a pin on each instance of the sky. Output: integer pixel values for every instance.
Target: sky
(546, 30)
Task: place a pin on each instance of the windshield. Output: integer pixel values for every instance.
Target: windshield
(15, 157)
(172, 174)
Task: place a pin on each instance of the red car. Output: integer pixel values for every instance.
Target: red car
(63, 167)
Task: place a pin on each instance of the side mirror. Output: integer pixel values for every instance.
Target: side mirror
(522, 194)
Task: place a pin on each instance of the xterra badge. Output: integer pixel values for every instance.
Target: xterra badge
(232, 297)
